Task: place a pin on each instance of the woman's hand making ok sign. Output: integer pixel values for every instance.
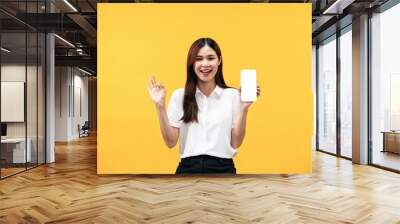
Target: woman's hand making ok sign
(157, 92)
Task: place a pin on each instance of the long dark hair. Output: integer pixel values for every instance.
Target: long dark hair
(190, 107)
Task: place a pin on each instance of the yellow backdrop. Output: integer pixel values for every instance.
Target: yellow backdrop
(136, 40)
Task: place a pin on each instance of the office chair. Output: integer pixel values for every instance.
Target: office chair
(84, 130)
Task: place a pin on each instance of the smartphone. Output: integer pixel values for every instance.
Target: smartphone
(248, 84)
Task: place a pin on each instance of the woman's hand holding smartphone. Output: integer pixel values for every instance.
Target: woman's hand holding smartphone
(249, 90)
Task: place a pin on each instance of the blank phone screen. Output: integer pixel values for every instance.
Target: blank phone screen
(248, 83)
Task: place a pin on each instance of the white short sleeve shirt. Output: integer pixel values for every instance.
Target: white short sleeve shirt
(212, 134)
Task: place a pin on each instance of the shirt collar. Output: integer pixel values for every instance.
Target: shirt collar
(218, 91)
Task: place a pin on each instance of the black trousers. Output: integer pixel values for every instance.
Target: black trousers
(205, 164)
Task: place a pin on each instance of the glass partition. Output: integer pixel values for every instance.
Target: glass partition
(14, 153)
(22, 77)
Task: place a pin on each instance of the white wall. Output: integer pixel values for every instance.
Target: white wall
(71, 87)
(33, 127)
(82, 82)
(16, 73)
(62, 81)
(12, 73)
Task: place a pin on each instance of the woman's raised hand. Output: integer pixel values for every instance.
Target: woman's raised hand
(157, 92)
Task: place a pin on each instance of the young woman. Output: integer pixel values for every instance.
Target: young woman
(207, 115)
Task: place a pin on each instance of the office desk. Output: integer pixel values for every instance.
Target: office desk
(391, 141)
(15, 148)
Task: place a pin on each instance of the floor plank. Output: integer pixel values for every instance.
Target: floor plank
(70, 191)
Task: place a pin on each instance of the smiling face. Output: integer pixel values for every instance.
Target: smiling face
(206, 64)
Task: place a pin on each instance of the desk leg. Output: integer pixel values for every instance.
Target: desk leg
(384, 142)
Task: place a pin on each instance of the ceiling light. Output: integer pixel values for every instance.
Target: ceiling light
(70, 5)
(64, 40)
(5, 50)
(84, 71)
(338, 6)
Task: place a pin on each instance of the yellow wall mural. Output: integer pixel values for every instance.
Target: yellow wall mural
(139, 40)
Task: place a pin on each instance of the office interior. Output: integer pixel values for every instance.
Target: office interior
(49, 82)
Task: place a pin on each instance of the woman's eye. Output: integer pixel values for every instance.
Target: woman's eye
(199, 59)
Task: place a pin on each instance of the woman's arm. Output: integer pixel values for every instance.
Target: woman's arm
(239, 130)
(157, 92)
(170, 134)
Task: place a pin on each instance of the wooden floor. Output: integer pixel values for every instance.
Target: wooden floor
(70, 191)
(5, 172)
(387, 159)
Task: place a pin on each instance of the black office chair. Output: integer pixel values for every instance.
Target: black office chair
(84, 130)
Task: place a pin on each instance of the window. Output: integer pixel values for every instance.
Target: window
(385, 88)
(346, 93)
(327, 95)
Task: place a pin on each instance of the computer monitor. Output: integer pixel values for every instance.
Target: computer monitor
(3, 129)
